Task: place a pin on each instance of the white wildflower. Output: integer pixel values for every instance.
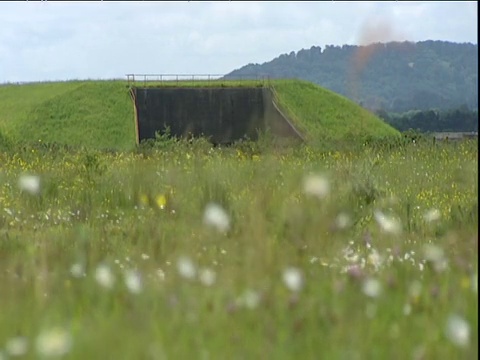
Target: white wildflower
(186, 268)
(387, 223)
(372, 287)
(250, 299)
(432, 215)
(105, 276)
(17, 346)
(457, 331)
(161, 274)
(433, 252)
(435, 255)
(342, 221)
(374, 259)
(77, 270)
(407, 309)
(207, 277)
(29, 183)
(293, 279)
(316, 185)
(133, 281)
(216, 217)
(55, 342)
(350, 255)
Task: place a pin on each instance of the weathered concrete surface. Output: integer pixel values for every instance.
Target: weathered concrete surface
(221, 114)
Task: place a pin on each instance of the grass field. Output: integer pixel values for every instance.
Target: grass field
(358, 244)
(181, 250)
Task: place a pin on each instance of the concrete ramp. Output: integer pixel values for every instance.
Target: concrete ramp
(222, 114)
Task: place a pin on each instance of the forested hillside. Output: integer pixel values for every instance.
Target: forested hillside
(395, 77)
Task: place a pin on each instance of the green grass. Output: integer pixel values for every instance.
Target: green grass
(99, 114)
(328, 118)
(17, 100)
(142, 210)
(106, 208)
(92, 114)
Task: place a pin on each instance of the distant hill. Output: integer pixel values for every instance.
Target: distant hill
(395, 76)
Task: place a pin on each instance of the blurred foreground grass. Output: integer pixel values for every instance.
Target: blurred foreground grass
(182, 251)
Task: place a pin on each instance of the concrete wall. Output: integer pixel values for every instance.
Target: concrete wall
(221, 114)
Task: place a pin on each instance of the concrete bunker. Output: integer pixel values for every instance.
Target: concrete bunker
(222, 114)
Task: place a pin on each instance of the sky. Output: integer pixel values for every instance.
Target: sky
(67, 40)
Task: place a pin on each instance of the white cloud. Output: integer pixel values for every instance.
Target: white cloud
(68, 40)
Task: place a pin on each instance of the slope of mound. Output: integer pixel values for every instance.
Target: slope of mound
(16, 101)
(327, 118)
(89, 113)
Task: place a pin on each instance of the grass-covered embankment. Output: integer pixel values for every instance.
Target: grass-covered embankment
(327, 118)
(99, 114)
(94, 114)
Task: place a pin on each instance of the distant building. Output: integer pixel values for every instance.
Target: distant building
(455, 135)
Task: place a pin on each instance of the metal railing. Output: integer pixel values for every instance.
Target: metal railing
(133, 79)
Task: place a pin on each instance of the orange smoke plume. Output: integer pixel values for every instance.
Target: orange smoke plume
(374, 31)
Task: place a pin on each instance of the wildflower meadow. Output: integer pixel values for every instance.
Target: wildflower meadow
(182, 250)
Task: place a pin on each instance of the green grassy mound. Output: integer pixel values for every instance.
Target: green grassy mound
(99, 114)
(327, 118)
(96, 114)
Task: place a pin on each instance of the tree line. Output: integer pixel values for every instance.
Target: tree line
(460, 119)
(396, 76)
